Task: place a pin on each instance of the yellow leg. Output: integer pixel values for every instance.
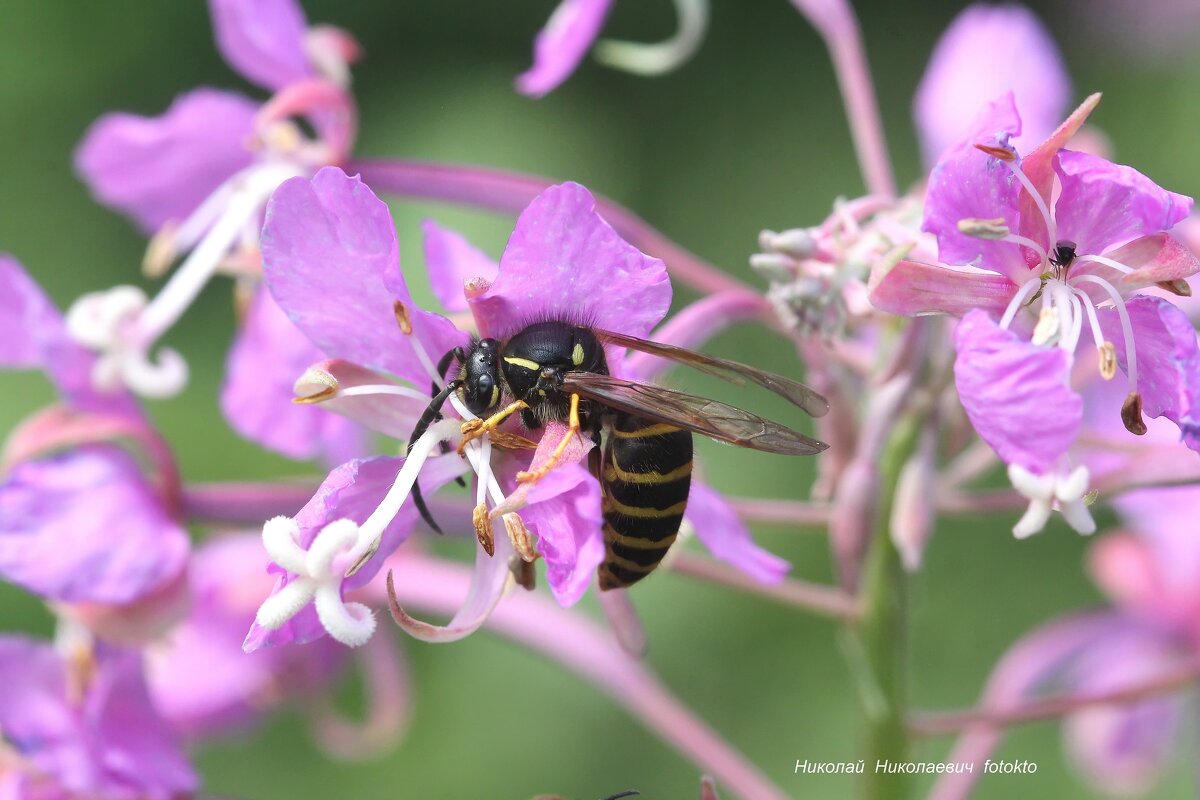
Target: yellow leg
(552, 462)
(474, 428)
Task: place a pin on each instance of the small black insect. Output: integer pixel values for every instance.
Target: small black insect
(557, 371)
(1064, 254)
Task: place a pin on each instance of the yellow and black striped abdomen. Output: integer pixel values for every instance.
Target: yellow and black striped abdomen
(647, 474)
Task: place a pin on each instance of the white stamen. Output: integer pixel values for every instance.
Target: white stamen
(1051, 226)
(1014, 305)
(1093, 321)
(1076, 320)
(1052, 490)
(382, 388)
(1126, 325)
(1108, 262)
(657, 59)
(485, 470)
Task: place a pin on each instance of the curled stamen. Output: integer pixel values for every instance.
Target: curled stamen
(657, 59)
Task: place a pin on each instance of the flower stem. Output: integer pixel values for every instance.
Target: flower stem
(880, 640)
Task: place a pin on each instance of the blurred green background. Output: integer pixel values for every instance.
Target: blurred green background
(748, 135)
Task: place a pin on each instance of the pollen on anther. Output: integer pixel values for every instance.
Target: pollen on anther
(1131, 414)
(1108, 361)
(1002, 153)
(400, 311)
(483, 529)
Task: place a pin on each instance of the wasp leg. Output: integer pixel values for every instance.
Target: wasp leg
(474, 428)
(550, 463)
(431, 413)
(457, 354)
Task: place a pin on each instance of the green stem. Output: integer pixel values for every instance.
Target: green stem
(880, 640)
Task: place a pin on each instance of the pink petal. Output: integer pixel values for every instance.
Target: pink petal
(155, 169)
(562, 44)
(1104, 204)
(562, 262)
(331, 237)
(728, 539)
(84, 526)
(564, 513)
(912, 289)
(1039, 168)
(970, 184)
(34, 335)
(452, 261)
(1015, 393)
(1122, 749)
(264, 40)
(256, 398)
(1155, 258)
(1168, 360)
(987, 51)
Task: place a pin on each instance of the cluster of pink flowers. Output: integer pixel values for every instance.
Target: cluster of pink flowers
(975, 325)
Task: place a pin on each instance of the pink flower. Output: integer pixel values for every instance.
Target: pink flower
(1035, 270)
(83, 725)
(198, 178)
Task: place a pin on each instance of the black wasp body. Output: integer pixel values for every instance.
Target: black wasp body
(557, 371)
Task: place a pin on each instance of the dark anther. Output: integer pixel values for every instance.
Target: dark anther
(1131, 414)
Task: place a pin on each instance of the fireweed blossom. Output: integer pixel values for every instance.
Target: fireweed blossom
(197, 179)
(78, 472)
(1040, 268)
(575, 25)
(79, 722)
(333, 232)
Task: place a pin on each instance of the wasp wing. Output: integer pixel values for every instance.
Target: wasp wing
(711, 418)
(732, 371)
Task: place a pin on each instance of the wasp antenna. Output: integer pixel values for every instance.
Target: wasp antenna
(431, 413)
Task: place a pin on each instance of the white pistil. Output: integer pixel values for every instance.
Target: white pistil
(1053, 490)
(339, 549)
(122, 327)
(660, 58)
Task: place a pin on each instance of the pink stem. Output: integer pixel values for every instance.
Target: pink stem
(585, 648)
(937, 724)
(835, 21)
(510, 192)
(784, 512)
(245, 503)
(814, 597)
(1027, 665)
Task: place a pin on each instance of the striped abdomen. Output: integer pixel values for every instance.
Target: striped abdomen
(647, 473)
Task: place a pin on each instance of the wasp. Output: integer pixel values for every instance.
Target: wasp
(557, 371)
